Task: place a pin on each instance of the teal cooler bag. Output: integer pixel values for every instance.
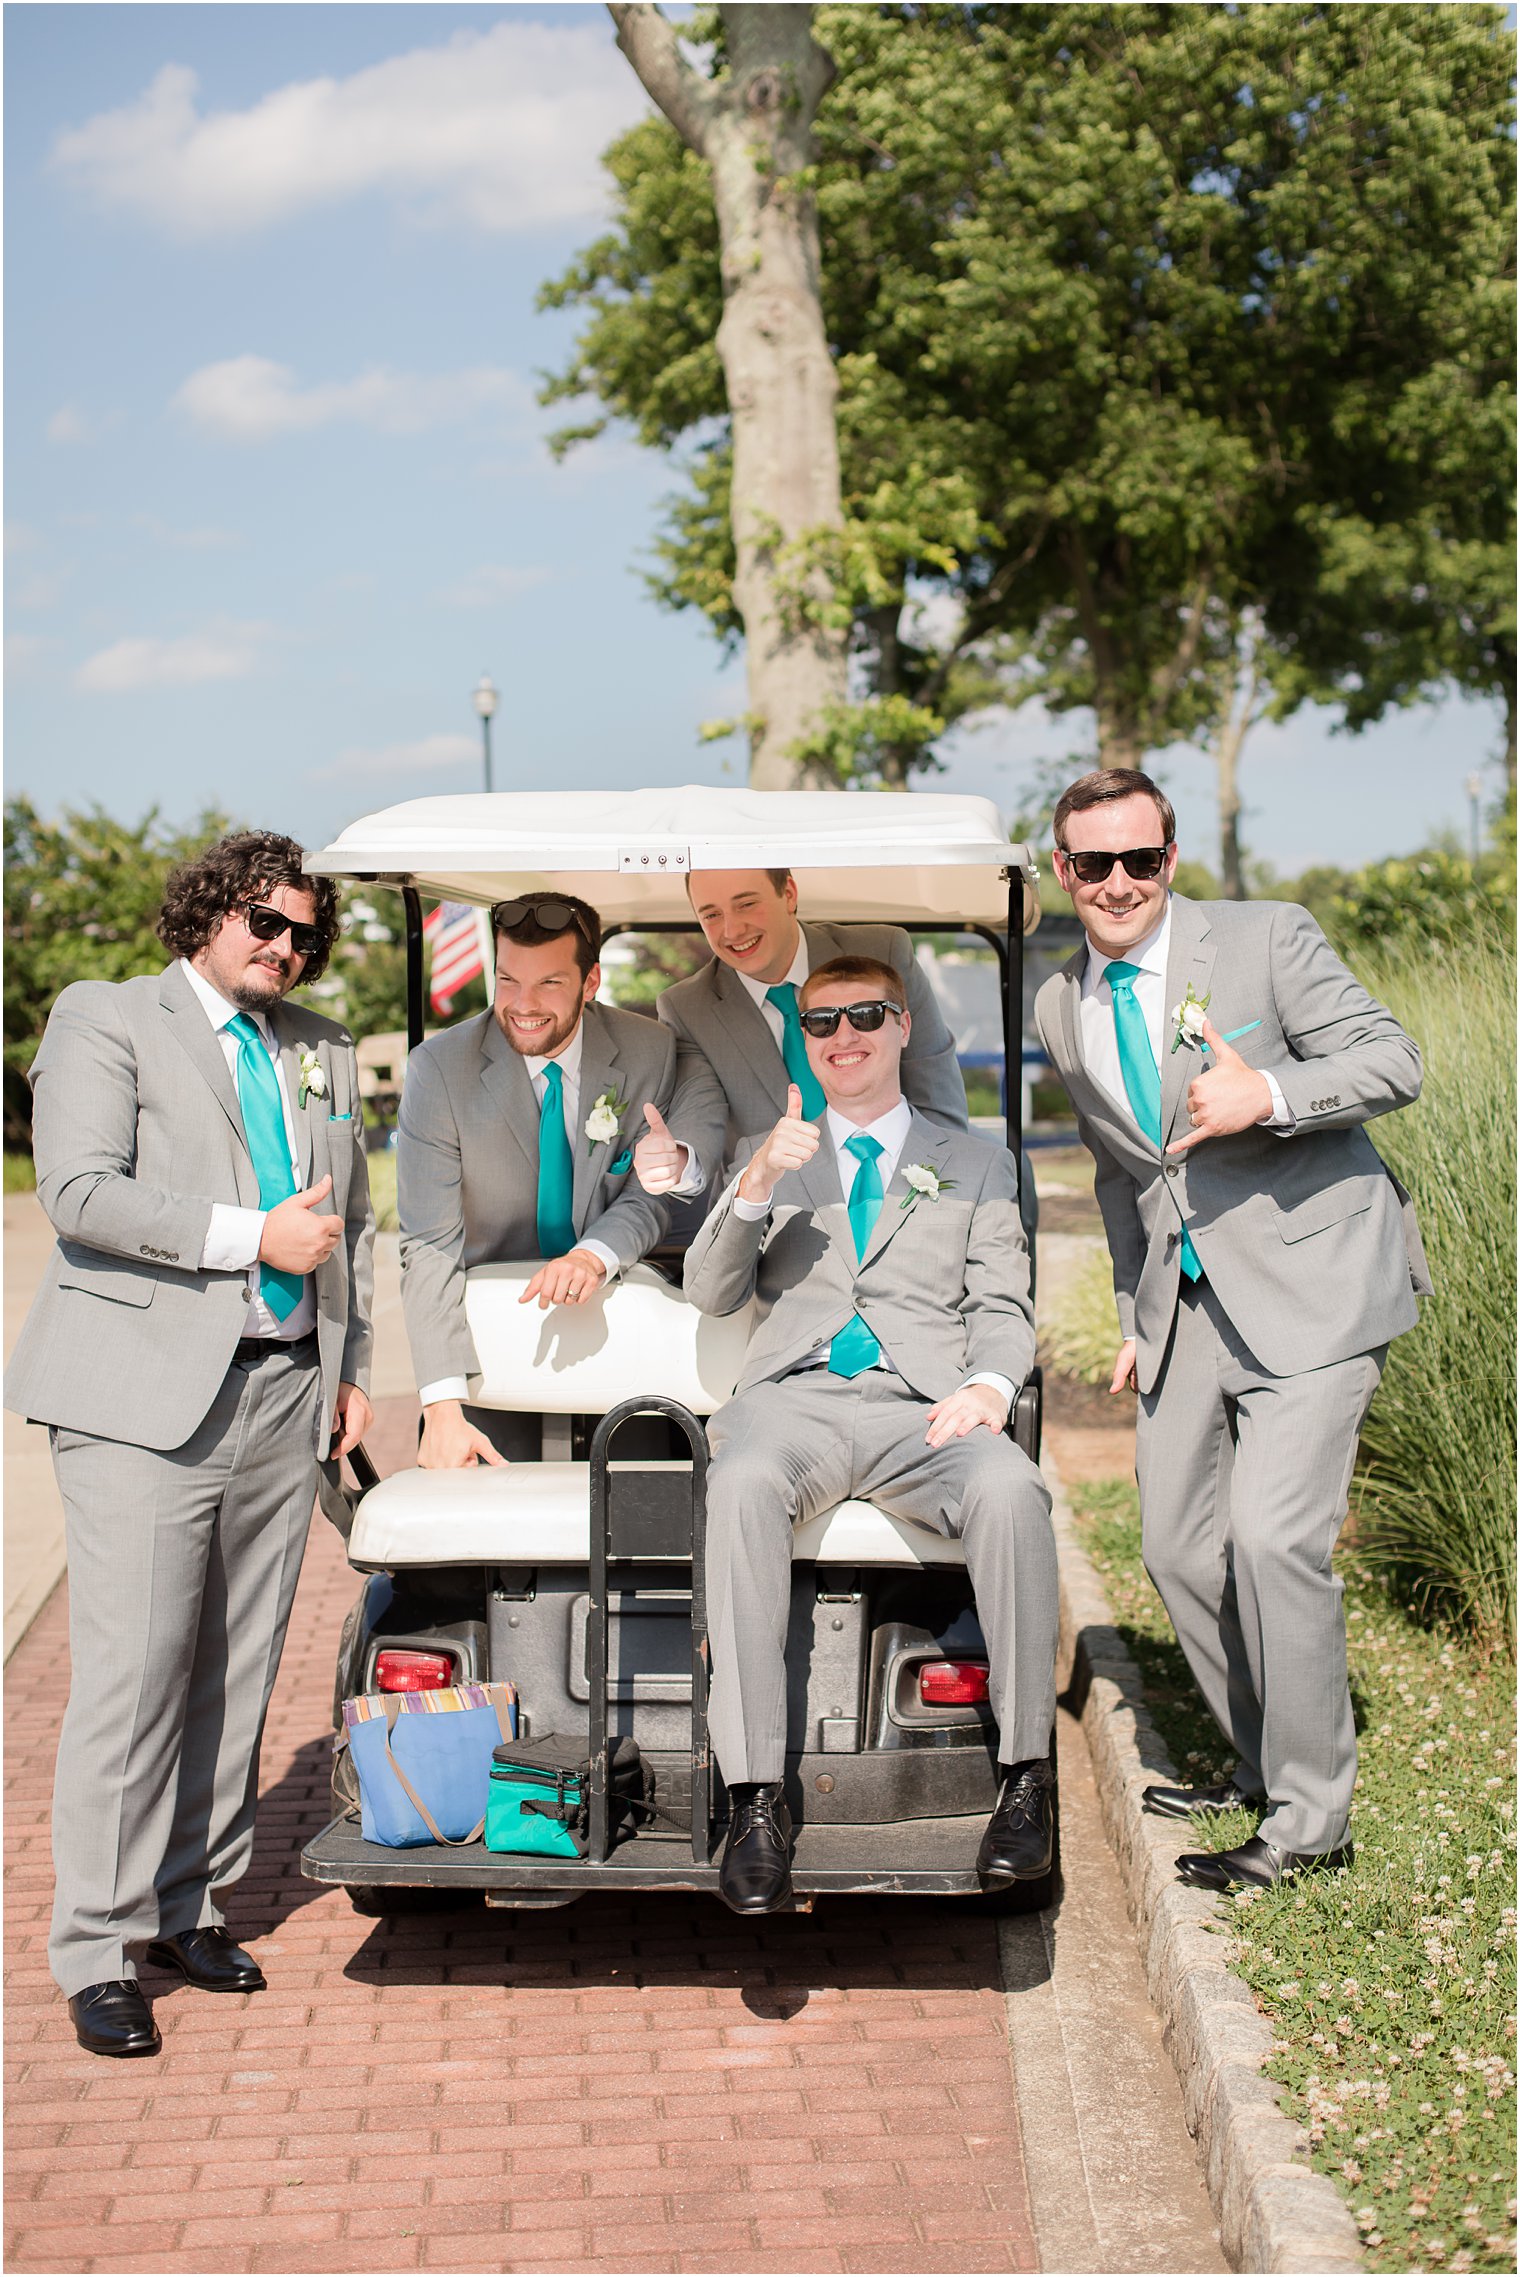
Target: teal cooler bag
(423, 1760)
(539, 1804)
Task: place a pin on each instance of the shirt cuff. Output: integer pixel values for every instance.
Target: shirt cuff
(693, 1177)
(1282, 1118)
(232, 1239)
(603, 1255)
(1003, 1385)
(748, 1212)
(447, 1387)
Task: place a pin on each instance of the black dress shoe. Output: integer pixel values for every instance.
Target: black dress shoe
(114, 2020)
(1020, 1838)
(756, 1873)
(1257, 1865)
(1181, 1802)
(208, 1958)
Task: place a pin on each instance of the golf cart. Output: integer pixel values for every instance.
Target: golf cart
(579, 1577)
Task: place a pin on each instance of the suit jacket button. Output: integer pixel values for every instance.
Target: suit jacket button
(247, 1295)
(1171, 1170)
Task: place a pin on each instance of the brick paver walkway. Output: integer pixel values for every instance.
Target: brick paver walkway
(627, 2084)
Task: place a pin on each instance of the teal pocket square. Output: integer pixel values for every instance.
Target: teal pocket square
(1234, 1032)
(340, 1118)
(623, 1162)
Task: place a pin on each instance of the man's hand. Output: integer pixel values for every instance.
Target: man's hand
(1124, 1368)
(792, 1143)
(659, 1159)
(352, 1417)
(975, 1407)
(567, 1280)
(295, 1238)
(1227, 1097)
(451, 1444)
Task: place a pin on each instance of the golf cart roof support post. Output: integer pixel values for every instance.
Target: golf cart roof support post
(1013, 1020)
(416, 999)
(599, 1485)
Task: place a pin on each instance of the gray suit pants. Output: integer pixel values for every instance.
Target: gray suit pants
(182, 1569)
(1243, 1482)
(784, 1451)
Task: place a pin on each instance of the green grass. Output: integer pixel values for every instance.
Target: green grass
(382, 1187)
(20, 1174)
(1083, 1335)
(1391, 1988)
(1435, 1501)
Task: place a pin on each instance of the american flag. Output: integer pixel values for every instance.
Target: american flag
(455, 936)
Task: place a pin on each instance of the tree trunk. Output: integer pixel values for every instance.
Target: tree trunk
(1237, 717)
(754, 128)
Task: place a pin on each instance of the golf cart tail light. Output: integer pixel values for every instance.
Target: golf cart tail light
(952, 1683)
(413, 1671)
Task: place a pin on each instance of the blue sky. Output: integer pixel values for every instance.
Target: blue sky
(277, 490)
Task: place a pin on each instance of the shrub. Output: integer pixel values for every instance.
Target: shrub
(1435, 1501)
(1083, 1336)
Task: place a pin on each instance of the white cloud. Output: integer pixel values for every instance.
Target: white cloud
(429, 755)
(71, 425)
(35, 588)
(501, 129)
(223, 652)
(22, 651)
(492, 585)
(249, 399)
(206, 540)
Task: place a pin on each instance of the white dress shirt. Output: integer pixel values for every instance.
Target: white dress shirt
(890, 1132)
(233, 1236)
(796, 973)
(1100, 1040)
(569, 1064)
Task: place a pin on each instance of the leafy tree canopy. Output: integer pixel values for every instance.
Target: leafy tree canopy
(1145, 318)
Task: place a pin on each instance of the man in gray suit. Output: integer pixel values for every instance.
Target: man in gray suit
(200, 1339)
(740, 1043)
(516, 1137)
(893, 1330)
(1263, 1259)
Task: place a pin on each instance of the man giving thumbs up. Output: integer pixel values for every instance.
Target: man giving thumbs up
(1222, 1062)
(201, 1338)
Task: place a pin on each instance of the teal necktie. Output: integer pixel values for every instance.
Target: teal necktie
(794, 1050)
(269, 1147)
(556, 1168)
(1142, 1079)
(855, 1349)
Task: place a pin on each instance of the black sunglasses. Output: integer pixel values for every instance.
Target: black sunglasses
(554, 916)
(266, 924)
(1139, 862)
(825, 1021)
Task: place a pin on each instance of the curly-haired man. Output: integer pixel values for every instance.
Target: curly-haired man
(200, 1341)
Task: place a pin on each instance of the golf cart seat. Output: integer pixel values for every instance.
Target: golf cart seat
(584, 1360)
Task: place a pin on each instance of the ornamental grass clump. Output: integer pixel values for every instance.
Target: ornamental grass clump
(1434, 1502)
(1390, 1988)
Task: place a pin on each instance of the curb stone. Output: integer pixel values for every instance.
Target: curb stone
(1274, 2212)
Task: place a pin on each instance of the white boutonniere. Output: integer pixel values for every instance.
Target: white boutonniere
(602, 1122)
(923, 1183)
(313, 1076)
(1189, 1016)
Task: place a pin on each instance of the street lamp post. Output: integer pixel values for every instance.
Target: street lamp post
(1474, 789)
(485, 704)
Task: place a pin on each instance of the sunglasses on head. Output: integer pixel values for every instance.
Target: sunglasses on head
(553, 915)
(266, 924)
(825, 1020)
(1139, 862)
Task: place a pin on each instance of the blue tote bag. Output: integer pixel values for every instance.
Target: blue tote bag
(423, 1760)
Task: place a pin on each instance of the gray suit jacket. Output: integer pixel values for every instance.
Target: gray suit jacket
(467, 1168)
(1308, 1241)
(731, 1078)
(136, 1132)
(943, 1285)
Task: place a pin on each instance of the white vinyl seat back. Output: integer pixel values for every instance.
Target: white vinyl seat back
(540, 1514)
(640, 1335)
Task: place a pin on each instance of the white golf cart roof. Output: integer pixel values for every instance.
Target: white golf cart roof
(860, 855)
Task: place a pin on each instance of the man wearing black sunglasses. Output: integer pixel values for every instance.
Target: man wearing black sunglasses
(893, 1329)
(201, 1338)
(1263, 1259)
